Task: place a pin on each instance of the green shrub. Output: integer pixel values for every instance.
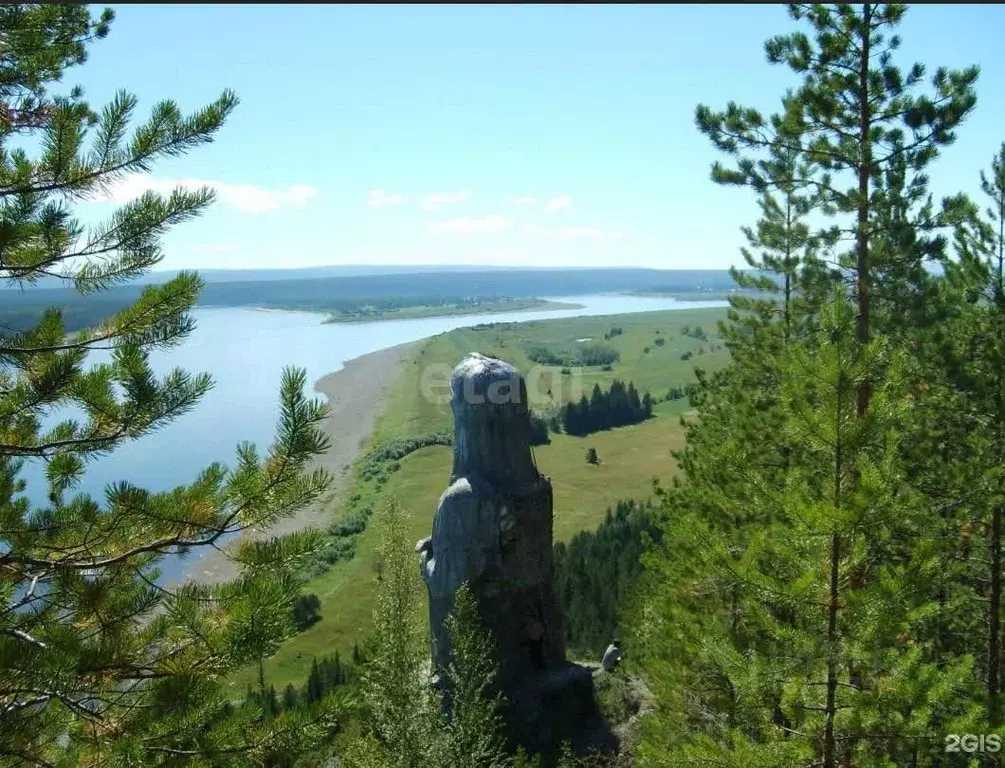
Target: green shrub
(306, 611)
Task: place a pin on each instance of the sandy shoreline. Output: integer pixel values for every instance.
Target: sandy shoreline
(357, 394)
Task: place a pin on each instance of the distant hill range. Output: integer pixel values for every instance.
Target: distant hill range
(302, 273)
(634, 278)
(310, 286)
(344, 288)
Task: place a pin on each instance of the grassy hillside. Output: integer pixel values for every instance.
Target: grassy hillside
(630, 457)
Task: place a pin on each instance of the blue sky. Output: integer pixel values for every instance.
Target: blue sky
(507, 134)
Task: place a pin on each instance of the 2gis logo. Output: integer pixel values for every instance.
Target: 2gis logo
(972, 743)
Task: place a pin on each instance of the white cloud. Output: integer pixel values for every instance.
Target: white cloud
(243, 197)
(486, 225)
(558, 204)
(433, 202)
(379, 198)
(520, 200)
(572, 233)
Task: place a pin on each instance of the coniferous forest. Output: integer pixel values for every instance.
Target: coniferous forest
(597, 572)
(827, 589)
(619, 406)
(821, 585)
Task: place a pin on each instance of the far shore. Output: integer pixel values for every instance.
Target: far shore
(487, 308)
(357, 395)
(417, 312)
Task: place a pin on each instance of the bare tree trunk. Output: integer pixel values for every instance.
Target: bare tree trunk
(830, 756)
(994, 614)
(862, 233)
(788, 266)
(830, 708)
(995, 544)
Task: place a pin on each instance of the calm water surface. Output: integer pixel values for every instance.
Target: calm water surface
(245, 351)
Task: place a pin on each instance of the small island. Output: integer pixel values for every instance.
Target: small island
(365, 312)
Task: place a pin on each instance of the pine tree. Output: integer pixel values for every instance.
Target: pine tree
(570, 419)
(739, 406)
(313, 691)
(748, 668)
(474, 729)
(271, 702)
(98, 664)
(799, 646)
(290, 697)
(789, 278)
(965, 440)
(406, 721)
(402, 710)
(858, 121)
(635, 404)
(988, 248)
(785, 260)
(786, 272)
(338, 671)
(587, 418)
(598, 410)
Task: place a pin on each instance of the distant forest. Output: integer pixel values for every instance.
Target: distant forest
(347, 294)
(619, 406)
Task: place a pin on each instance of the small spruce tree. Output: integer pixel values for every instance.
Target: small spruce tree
(401, 708)
(474, 729)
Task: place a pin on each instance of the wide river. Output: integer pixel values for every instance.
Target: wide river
(245, 350)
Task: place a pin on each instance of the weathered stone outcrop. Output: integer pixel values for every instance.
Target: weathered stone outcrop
(493, 530)
(493, 525)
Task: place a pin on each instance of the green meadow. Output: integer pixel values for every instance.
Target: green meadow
(630, 457)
